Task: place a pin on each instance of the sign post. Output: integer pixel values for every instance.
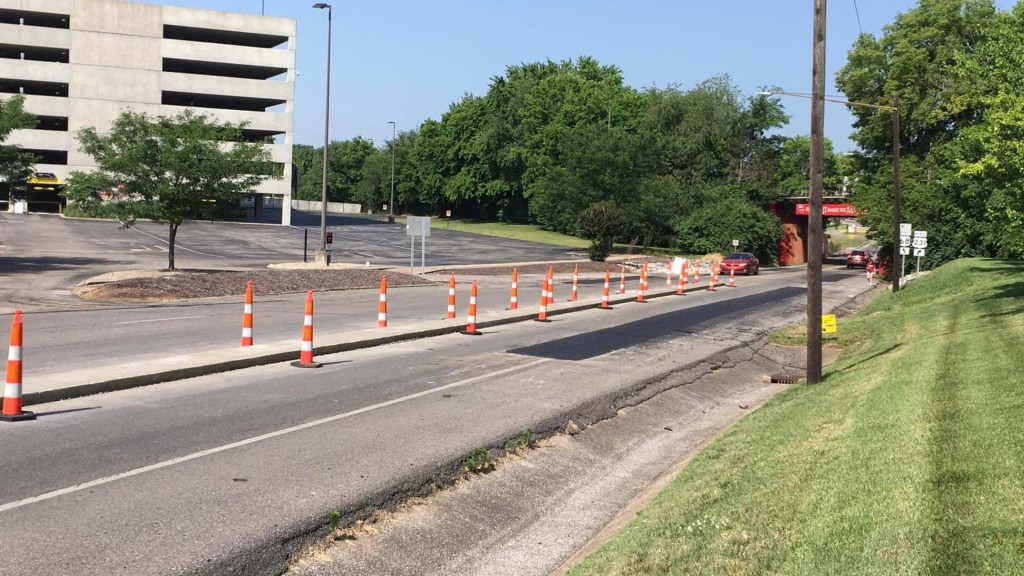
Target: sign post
(417, 226)
(919, 243)
(905, 231)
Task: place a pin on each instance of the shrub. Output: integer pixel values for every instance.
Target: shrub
(601, 223)
(712, 228)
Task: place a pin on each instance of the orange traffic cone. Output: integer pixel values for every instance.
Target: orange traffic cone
(451, 296)
(543, 315)
(732, 278)
(604, 293)
(642, 287)
(306, 353)
(681, 288)
(12, 411)
(714, 279)
(382, 307)
(247, 316)
(551, 285)
(622, 279)
(471, 322)
(696, 273)
(668, 276)
(575, 282)
(514, 301)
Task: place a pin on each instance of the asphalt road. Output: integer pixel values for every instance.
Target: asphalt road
(43, 256)
(230, 473)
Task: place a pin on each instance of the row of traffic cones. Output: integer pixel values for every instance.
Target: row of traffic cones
(12, 404)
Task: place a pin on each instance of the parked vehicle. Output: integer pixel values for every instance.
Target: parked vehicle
(858, 259)
(741, 263)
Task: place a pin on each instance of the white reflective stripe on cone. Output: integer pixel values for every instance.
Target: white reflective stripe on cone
(307, 346)
(247, 332)
(248, 308)
(307, 320)
(14, 353)
(12, 390)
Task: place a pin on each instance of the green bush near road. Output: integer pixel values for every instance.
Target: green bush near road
(907, 459)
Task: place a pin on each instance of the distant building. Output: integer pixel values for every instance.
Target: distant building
(81, 63)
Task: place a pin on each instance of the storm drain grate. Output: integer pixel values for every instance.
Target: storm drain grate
(786, 378)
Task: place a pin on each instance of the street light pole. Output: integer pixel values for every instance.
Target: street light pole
(391, 204)
(321, 255)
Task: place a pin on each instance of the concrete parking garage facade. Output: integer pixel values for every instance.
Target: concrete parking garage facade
(80, 63)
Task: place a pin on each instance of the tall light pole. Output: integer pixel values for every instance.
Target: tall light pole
(897, 200)
(321, 255)
(392, 203)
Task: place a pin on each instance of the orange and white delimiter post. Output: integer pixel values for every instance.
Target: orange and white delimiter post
(575, 283)
(513, 303)
(247, 316)
(12, 411)
(451, 296)
(542, 316)
(604, 292)
(471, 321)
(382, 306)
(306, 351)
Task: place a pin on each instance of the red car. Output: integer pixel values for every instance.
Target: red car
(741, 263)
(858, 259)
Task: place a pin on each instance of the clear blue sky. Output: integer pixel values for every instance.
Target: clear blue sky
(408, 60)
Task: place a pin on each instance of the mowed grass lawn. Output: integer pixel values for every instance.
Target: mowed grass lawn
(527, 232)
(907, 459)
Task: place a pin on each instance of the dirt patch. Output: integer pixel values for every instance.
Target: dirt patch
(210, 284)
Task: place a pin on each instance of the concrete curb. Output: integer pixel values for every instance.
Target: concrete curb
(90, 381)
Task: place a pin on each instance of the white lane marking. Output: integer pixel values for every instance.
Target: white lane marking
(260, 438)
(159, 320)
(178, 246)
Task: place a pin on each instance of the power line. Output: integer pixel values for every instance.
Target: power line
(857, 12)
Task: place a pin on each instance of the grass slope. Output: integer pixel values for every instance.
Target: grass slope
(907, 459)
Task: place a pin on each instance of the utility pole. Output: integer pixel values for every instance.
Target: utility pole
(814, 224)
(897, 202)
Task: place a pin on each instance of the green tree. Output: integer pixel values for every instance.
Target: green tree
(345, 159)
(929, 57)
(168, 169)
(308, 163)
(712, 227)
(15, 165)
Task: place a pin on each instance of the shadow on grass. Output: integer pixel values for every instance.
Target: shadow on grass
(1014, 291)
(875, 355)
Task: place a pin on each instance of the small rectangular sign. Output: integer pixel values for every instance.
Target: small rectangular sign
(828, 324)
(918, 251)
(904, 250)
(905, 229)
(920, 234)
(418, 226)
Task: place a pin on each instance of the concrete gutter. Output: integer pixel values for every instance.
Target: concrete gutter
(96, 380)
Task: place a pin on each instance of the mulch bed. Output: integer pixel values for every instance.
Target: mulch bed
(265, 282)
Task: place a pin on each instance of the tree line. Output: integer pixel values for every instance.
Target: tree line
(690, 169)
